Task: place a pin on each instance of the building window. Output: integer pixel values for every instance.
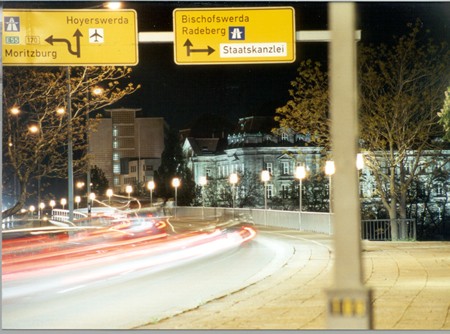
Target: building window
(284, 137)
(133, 169)
(285, 168)
(269, 167)
(116, 168)
(269, 190)
(116, 156)
(208, 172)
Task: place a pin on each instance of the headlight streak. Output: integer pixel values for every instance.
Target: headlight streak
(103, 254)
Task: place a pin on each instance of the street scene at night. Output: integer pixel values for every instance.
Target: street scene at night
(225, 165)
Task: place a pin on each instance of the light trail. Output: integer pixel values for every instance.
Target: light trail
(33, 264)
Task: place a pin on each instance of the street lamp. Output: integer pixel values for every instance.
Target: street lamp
(78, 200)
(34, 129)
(265, 177)
(15, 111)
(109, 193)
(128, 190)
(329, 170)
(91, 202)
(52, 205)
(359, 161)
(233, 180)
(151, 187)
(176, 184)
(203, 181)
(300, 174)
(41, 207)
(32, 208)
(63, 202)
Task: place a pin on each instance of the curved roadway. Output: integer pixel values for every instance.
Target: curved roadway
(138, 297)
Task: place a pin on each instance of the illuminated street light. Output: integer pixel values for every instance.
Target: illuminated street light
(52, 204)
(109, 193)
(33, 129)
(151, 187)
(329, 170)
(31, 209)
(63, 202)
(97, 91)
(129, 190)
(300, 174)
(91, 202)
(113, 5)
(265, 177)
(359, 161)
(15, 111)
(78, 200)
(176, 183)
(60, 111)
(203, 181)
(41, 207)
(233, 179)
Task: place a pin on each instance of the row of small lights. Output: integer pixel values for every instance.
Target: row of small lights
(300, 173)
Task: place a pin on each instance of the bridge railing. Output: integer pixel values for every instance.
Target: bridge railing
(317, 222)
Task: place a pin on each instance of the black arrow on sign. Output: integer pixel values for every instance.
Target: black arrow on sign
(77, 35)
(188, 46)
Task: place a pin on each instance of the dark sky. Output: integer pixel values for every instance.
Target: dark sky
(181, 93)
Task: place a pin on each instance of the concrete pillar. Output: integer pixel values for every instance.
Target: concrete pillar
(349, 305)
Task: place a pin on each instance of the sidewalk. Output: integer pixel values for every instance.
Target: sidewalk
(410, 283)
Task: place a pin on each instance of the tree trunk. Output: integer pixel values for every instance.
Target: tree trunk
(19, 204)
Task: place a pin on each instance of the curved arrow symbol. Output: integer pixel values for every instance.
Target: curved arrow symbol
(77, 35)
(188, 44)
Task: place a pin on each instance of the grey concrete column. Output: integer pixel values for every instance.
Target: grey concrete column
(348, 304)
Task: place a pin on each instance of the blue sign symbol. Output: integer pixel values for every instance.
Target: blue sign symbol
(236, 33)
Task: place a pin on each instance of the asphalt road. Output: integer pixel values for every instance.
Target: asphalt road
(137, 297)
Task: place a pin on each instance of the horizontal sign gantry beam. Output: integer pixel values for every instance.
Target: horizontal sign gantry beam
(301, 36)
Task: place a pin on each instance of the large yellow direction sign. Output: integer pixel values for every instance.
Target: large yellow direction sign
(234, 35)
(70, 37)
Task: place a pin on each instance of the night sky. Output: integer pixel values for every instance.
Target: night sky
(181, 93)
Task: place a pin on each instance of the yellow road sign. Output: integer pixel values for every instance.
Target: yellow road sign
(234, 35)
(69, 37)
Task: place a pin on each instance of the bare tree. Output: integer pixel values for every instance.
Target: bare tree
(36, 126)
(400, 95)
(401, 89)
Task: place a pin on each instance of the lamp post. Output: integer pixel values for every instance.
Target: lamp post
(78, 200)
(32, 208)
(233, 180)
(41, 208)
(203, 181)
(52, 205)
(265, 177)
(91, 203)
(300, 174)
(63, 202)
(176, 184)
(96, 91)
(109, 193)
(151, 187)
(129, 190)
(329, 170)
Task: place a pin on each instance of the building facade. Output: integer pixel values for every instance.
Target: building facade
(126, 147)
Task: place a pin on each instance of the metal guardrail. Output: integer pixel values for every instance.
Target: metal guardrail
(380, 229)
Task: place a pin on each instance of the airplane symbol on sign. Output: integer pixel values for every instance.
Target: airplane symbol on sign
(96, 35)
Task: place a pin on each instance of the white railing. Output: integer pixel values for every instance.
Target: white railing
(317, 222)
(61, 215)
